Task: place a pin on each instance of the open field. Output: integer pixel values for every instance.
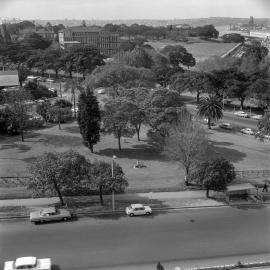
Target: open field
(200, 50)
(243, 151)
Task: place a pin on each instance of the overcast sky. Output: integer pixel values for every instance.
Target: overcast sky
(133, 9)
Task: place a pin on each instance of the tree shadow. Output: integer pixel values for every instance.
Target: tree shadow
(139, 152)
(20, 147)
(74, 129)
(219, 149)
(56, 267)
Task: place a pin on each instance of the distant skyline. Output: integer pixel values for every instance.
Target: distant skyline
(132, 9)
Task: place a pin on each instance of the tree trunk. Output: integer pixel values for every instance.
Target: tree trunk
(74, 104)
(198, 96)
(119, 142)
(59, 119)
(100, 196)
(56, 74)
(209, 123)
(91, 148)
(242, 103)
(70, 74)
(138, 132)
(22, 135)
(58, 192)
(186, 177)
(207, 193)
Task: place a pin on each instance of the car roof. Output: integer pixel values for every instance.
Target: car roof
(136, 205)
(48, 210)
(25, 261)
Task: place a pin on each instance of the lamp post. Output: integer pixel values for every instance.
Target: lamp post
(113, 200)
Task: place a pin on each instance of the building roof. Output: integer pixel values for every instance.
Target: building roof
(9, 78)
(84, 29)
(240, 187)
(25, 261)
(44, 31)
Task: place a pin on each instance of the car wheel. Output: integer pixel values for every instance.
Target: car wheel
(65, 219)
(148, 213)
(41, 221)
(131, 215)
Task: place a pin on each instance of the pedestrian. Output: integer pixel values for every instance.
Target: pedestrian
(160, 266)
(265, 187)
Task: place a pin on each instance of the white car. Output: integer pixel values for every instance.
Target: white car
(241, 114)
(226, 126)
(138, 210)
(257, 117)
(30, 263)
(248, 131)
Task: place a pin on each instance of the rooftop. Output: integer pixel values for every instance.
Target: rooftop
(25, 261)
(238, 187)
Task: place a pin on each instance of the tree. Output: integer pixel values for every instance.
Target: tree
(60, 111)
(120, 76)
(135, 106)
(53, 59)
(162, 110)
(206, 31)
(36, 42)
(58, 173)
(115, 119)
(179, 55)
(23, 72)
(85, 59)
(186, 144)
(39, 91)
(215, 174)
(264, 126)
(192, 81)
(233, 37)
(210, 108)
(72, 85)
(101, 178)
(89, 119)
(43, 110)
(17, 105)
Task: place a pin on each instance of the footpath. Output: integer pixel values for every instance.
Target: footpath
(90, 205)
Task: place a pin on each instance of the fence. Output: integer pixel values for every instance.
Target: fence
(255, 174)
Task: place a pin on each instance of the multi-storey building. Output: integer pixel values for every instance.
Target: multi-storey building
(105, 41)
(46, 34)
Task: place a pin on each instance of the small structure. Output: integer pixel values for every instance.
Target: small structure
(9, 79)
(243, 191)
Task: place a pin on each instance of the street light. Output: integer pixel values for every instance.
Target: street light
(113, 200)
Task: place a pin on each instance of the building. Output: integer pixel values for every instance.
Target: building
(106, 42)
(46, 34)
(4, 35)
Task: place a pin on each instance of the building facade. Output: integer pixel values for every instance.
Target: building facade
(46, 34)
(106, 42)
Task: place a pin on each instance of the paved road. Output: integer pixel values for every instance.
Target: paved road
(236, 121)
(173, 236)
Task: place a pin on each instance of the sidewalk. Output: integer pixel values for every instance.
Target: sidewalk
(91, 204)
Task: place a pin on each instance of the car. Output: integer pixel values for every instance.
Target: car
(226, 126)
(50, 214)
(101, 91)
(74, 109)
(29, 263)
(52, 89)
(49, 80)
(248, 131)
(257, 117)
(241, 114)
(138, 210)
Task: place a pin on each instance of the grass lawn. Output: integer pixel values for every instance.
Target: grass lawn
(200, 50)
(159, 174)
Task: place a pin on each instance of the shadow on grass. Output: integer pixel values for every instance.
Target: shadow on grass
(139, 151)
(74, 129)
(19, 147)
(219, 149)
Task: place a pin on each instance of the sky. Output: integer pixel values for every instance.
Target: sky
(133, 9)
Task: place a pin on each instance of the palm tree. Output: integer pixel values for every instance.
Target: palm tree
(210, 108)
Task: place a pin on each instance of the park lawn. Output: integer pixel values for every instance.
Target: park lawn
(159, 174)
(200, 50)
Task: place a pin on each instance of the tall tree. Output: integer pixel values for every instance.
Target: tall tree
(210, 108)
(186, 144)
(179, 55)
(89, 119)
(101, 178)
(57, 173)
(18, 107)
(215, 174)
(115, 119)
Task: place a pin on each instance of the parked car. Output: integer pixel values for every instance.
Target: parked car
(248, 131)
(101, 91)
(29, 263)
(74, 109)
(138, 209)
(49, 80)
(226, 126)
(241, 114)
(257, 117)
(50, 214)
